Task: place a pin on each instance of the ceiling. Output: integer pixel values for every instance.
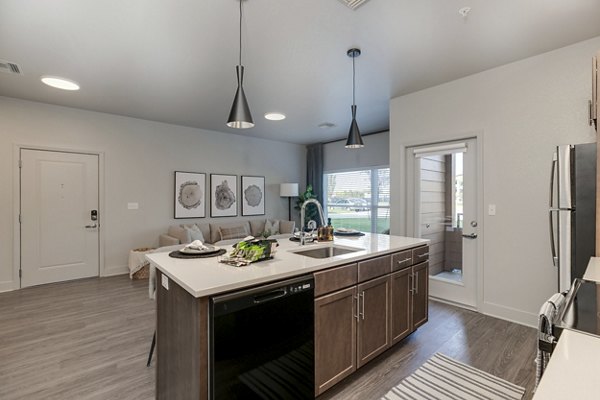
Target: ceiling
(174, 60)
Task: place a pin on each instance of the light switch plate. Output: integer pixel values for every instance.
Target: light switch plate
(133, 206)
(491, 209)
(164, 280)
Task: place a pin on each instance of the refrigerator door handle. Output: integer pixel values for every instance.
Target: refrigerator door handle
(552, 176)
(552, 238)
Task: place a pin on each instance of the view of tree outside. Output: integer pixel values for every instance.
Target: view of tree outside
(359, 199)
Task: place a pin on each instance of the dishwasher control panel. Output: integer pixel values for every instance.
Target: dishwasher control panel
(301, 287)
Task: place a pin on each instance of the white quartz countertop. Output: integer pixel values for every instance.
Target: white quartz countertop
(206, 276)
(572, 372)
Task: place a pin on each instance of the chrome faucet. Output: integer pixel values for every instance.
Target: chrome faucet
(302, 214)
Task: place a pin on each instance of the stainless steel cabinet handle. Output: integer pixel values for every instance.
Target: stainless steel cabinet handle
(357, 302)
(411, 283)
(92, 226)
(362, 305)
(405, 260)
(424, 254)
(416, 283)
(470, 236)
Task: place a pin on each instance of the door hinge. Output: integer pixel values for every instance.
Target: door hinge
(20, 273)
(20, 219)
(20, 163)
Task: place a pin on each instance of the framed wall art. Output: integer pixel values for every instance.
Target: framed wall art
(223, 195)
(190, 195)
(253, 195)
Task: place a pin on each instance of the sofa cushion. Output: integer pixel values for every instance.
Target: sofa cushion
(234, 232)
(195, 233)
(272, 226)
(215, 235)
(257, 226)
(179, 233)
(204, 228)
(286, 226)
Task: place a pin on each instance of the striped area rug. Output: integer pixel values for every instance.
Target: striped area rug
(443, 378)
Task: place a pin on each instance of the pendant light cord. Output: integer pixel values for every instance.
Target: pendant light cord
(240, 59)
(353, 84)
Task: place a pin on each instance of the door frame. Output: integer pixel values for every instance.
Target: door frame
(17, 204)
(403, 200)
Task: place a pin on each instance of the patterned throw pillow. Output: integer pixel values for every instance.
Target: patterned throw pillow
(234, 232)
(194, 233)
(272, 226)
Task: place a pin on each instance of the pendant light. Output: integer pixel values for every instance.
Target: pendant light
(354, 139)
(240, 116)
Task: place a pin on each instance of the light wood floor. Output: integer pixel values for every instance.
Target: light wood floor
(89, 339)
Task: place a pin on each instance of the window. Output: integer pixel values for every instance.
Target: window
(359, 199)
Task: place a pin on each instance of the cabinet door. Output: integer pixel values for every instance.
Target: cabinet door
(335, 338)
(373, 318)
(420, 294)
(402, 304)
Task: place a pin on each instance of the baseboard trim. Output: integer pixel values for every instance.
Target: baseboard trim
(510, 314)
(453, 303)
(7, 286)
(115, 270)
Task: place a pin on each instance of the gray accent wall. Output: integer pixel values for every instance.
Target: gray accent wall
(376, 153)
(140, 159)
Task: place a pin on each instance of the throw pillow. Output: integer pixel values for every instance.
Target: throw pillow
(179, 233)
(194, 233)
(234, 232)
(272, 227)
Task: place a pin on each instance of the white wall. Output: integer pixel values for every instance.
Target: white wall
(524, 109)
(140, 160)
(375, 153)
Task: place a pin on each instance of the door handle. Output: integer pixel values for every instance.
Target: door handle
(552, 239)
(357, 305)
(470, 236)
(92, 226)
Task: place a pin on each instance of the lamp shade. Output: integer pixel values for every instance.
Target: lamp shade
(288, 189)
(240, 116)
(354, 139)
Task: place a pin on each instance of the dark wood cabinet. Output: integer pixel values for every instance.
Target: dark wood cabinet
(373, 318)
(401, 304)
(335, 338)
(384, 300)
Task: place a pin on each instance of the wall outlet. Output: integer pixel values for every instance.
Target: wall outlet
(491, 209)
(164, 280)
(133, 206)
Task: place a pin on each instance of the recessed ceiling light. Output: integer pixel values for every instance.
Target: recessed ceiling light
(464, 11)
(327, 125)
(274, 116)
(60, 83)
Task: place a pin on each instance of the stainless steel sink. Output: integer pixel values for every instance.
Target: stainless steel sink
(326, 252)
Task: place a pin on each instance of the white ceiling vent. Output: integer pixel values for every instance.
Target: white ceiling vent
(354, 4)
(10, 68)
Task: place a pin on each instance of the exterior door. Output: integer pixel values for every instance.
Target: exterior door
(442, 207)
(59, 236)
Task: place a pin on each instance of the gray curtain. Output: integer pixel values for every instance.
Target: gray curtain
(314, 169)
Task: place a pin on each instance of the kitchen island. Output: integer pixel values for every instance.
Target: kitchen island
(387, 273)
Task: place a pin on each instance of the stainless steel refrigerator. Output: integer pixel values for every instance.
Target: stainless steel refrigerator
(573, 210)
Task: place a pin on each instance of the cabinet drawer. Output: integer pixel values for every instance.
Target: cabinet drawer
(420, 254)
(402, 260)
(335, 279)
(373, 268)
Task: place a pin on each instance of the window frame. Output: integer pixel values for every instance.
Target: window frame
(374, 204)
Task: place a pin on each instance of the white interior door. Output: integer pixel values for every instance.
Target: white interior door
(59, 238)
(442, 207)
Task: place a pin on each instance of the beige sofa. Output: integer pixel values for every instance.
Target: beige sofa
(215, 231)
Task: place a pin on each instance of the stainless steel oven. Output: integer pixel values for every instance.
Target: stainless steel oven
(262, 342)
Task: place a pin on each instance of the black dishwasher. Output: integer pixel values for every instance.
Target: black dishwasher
(262, 342)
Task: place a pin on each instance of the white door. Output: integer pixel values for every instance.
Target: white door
(59, 238)
(442, 207)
